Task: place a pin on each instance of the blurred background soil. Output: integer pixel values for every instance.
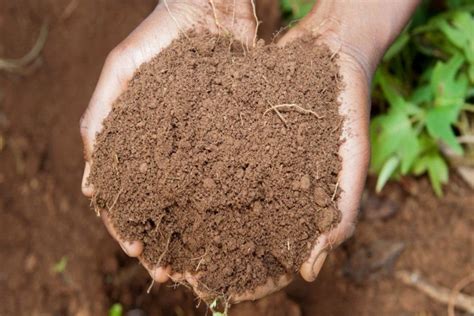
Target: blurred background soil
(57, 258)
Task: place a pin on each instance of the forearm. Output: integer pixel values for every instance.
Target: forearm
(364, 29)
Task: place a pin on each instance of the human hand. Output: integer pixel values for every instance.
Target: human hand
(359, 33)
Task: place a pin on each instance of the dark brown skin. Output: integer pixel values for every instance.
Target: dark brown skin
(359, 31)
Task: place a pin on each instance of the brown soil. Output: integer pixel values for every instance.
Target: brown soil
(44, 217)
(194, 162)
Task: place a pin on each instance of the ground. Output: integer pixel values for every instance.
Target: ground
(45, 221)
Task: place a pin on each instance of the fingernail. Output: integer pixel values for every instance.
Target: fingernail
(318, 263)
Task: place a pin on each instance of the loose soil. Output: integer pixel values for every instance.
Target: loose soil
(43, 216)
(224, 160)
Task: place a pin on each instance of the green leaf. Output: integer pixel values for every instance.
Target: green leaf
(297, 8)
(409, 150)
(397, 46)
(422, 94)
(213, 306)
(455, 36)
(471, 72)
(116, 310)
(60, 266)
(444, 72)
(448, 89)
(387, 171)
(438, 123)
(452, 4)
(437, 170)
(386, 134)
(464, 22)
(393, 135)
(394, 98)
(438, 173)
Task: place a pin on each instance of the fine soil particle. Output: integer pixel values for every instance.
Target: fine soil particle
(224, 160)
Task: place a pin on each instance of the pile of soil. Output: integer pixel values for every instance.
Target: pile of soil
(223, 160)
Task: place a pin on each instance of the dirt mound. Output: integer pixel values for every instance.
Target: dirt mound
(224, 160)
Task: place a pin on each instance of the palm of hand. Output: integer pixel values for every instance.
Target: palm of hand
(155, 33)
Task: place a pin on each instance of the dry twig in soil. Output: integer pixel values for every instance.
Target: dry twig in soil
(18, 65)
(438, 293)
(297, 107)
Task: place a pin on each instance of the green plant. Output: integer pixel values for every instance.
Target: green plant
(60, 266)
(422, 91)
(213, 307)
(116, 310)
(295, 9)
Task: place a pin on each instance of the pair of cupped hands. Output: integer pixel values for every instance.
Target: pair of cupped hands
(172, 18)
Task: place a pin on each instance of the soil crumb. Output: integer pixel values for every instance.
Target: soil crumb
(223, 160)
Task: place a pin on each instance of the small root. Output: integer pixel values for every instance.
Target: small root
(93, 203)
(159, 221)
(297, 107)
(336, 52)
(18, 65)
(176, 282)
(201, 260)
(244, 49)
(275, 108)
(148, 290)
(115, 200)
(335, 191)
(158, 264)
(456, 291)
(164, 252)
(174, 19)
(199, 264)
(284, 28)
(337, 127)
(439, 293)
(97, 211)
(232, 27)
(69, 10)
(214, 12)
(257, 22)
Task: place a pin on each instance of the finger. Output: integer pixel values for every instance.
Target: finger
(160, 274)
(131, 248)
(193, 280)
(86, 187)
(355, 157)
(310, 268)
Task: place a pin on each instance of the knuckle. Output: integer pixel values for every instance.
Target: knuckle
(118, 54)
(84, 126)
